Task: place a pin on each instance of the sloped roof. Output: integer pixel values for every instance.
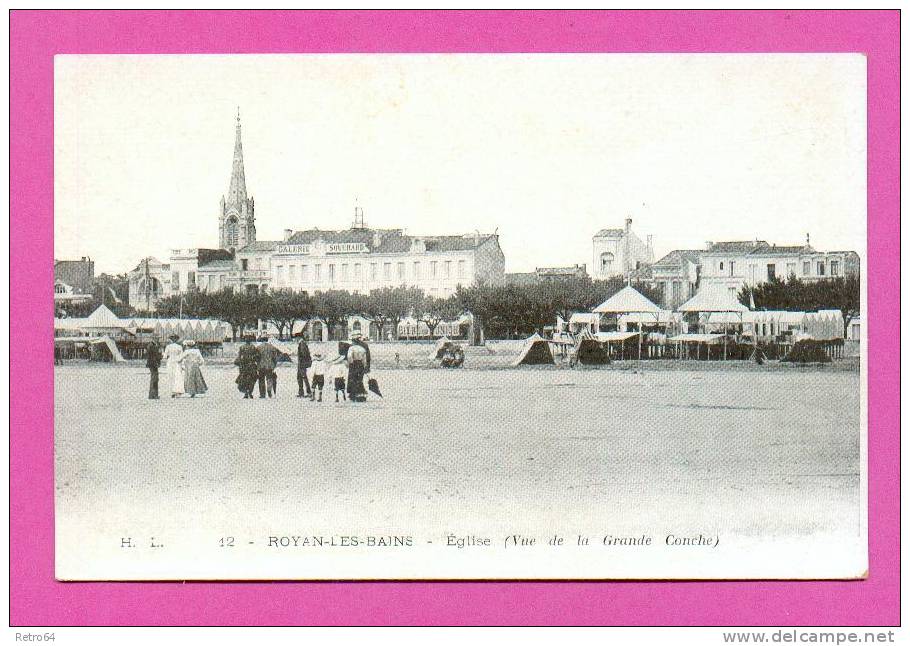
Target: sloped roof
(778, 250)
(737, 246)
(218, 264)
(571, 270)
(152, 261)
(675, 258)
(521, 278)
(628, 299)
(610, 233)
(103, 317)
(260, 245)
(390, 240)
(713, 299)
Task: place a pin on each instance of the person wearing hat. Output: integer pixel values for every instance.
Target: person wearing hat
(268, 361)
(357, 361)
(172, 355)
(153, 362)
(320, 366)
(248, 362)
(304, 361)
(194, 383)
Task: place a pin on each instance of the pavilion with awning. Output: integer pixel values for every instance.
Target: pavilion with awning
(629, 300)
(713, 300)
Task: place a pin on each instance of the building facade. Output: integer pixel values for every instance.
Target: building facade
(361, 259)
(618, 252)
(735, 264)
(676, 275)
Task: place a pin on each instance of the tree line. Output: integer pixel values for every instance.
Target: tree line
(499, 311)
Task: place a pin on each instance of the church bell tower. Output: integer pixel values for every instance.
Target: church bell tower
(236, 221)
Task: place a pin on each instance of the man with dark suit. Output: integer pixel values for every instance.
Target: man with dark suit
(248, 362)
(304, 361)
(153, 362)
(268, 360)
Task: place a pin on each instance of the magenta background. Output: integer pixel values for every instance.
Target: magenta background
(36, 599)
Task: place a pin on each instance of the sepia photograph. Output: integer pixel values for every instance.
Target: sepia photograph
(460, 316)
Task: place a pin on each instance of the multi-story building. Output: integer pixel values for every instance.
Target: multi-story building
(360, 259)
(618, 252)
(738, 263)
(676, 276)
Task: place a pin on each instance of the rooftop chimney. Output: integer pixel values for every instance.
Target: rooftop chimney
(807, 239)
(287, 234)
(628, 224)
(708, 245)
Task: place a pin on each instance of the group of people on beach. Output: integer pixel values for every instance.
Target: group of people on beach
(183, 362)
(257, 365)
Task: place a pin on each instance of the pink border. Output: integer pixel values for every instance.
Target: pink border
(36, 599)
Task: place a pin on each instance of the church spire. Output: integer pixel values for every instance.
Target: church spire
(236, 220)
(237, 191)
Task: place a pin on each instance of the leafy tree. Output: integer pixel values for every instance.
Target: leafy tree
(284, 307)
(388, 305)
(838, 293)
(333, 307)
(434, 311)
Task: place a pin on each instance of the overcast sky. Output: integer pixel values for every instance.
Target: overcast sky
(546, 148)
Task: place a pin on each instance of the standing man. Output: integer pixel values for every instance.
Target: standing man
(248, 362)
(304, 361)
(268, 360)
(153, 362)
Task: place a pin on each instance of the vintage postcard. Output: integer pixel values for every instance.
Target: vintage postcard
(460, 316)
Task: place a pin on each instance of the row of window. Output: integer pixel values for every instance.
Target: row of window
(724, 267)
(346, 272)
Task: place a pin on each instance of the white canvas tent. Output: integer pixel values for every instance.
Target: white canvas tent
(629, 300)
(715, 300)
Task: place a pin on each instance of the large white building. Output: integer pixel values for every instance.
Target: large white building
(749, 263)
(619, 252)
(360, 259)
(356, 259)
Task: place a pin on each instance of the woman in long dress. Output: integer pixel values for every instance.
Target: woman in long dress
(357, 369)
(192, 361)
(172, 355)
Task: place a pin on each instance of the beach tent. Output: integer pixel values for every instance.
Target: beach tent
(629, 300)
(535, 351)
(102, 317)
(825, 325)
(715, 299)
